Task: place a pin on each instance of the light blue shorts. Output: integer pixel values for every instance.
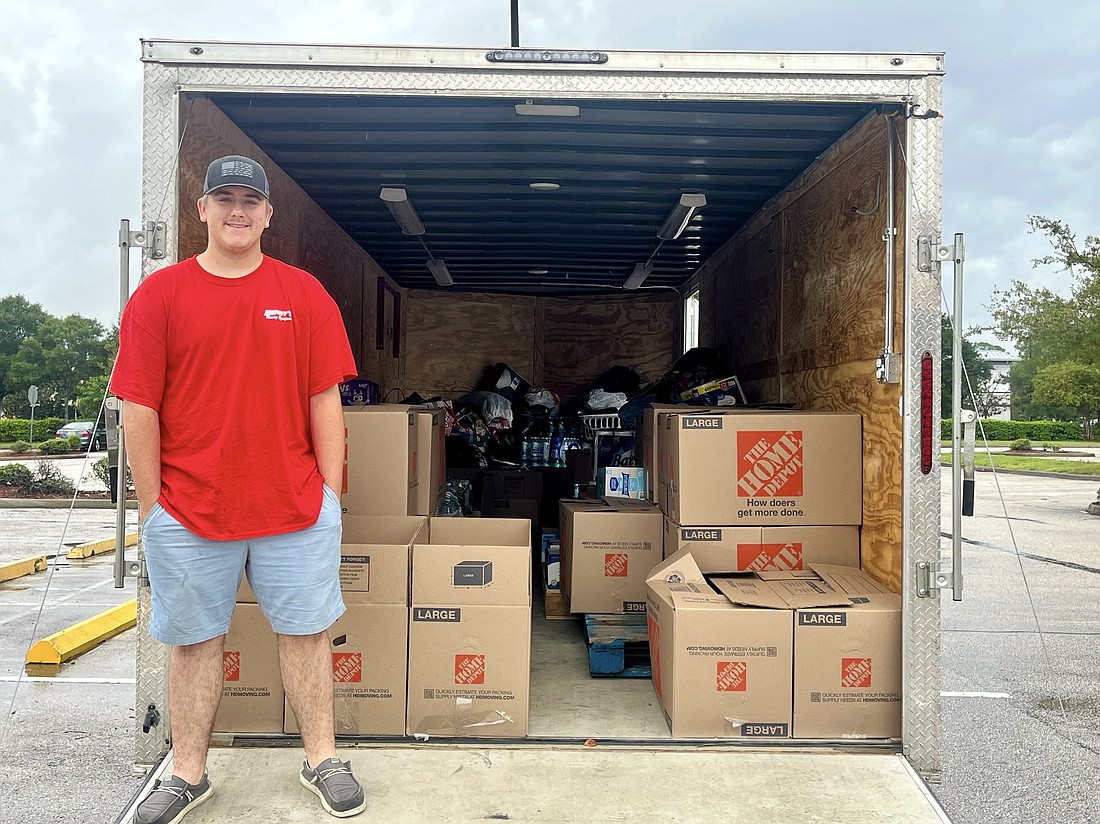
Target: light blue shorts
(194, 581)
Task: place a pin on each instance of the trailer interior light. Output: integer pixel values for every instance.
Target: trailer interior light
(397, 200)
(538, 271)
(530, 109)
(439, 270)
(544, 186)
(544, 56)
(638, 276)
(681, 215)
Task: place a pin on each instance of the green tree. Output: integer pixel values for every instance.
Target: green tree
(19, 319)
(976, 367)
(1049, 329)
(61, 354)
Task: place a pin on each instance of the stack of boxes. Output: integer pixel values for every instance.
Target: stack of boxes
(761, 623)
(436, 635)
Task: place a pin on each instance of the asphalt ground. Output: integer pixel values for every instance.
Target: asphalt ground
(1021, 708)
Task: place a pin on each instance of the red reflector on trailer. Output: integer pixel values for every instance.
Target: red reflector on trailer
(926, 410)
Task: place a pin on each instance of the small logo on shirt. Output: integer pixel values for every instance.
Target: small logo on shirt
(277, 314)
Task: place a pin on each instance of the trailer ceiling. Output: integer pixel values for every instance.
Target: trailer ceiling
(467, 164)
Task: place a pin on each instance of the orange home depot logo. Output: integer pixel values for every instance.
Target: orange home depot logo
(733, 676)
(347, 667)
(769, 464)
(855, 672)
(654, 652)
(469, 669)
(615, 565)
(231, 661)
(759, 557)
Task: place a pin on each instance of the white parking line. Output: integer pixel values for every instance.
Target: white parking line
(62, 600)
(975, 695)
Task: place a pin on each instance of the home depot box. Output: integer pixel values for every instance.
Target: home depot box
(757, 548)
(847, 668)
(775, 468)
(720, 670)
(648, 424)
(470, 629)
(381, 465)
(252, 689)
(431, 460)
(369, 648)
(607, 550)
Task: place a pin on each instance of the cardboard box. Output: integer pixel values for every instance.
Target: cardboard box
(621, 482)
(843, 650)
(514, 508)
(369, 653)
(773, 468)
(650, 424)
(720, 670)
(607, 551)
(469, 671)
(511, 484)
(381, 462)
(252, 690)
(431, 460)
(470, 629)
(724, 392)
(759, 548)
(554, 606)
(551, 558)
(847, 667)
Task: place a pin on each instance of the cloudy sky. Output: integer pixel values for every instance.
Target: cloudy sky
(1021, 130)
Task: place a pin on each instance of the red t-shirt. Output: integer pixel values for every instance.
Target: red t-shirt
(230, 365)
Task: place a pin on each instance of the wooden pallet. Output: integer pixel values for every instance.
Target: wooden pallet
(618, 646)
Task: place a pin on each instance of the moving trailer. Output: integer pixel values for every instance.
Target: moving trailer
(543, 178)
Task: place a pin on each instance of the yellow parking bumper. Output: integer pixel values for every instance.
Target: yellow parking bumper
(69, 643)
(27, 566)
(100, 547)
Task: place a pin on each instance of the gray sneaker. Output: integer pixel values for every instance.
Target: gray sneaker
(341, 795)
(171, 799)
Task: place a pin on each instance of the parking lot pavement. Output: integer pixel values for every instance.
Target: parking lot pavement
(67, 742)
(1021, 656)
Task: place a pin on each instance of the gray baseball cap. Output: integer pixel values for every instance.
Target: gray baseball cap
(236, 170)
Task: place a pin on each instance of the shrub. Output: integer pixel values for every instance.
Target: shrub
(1051, 447)
(49, 480)
(101, 470)
(20, 446)
(16, 429)
(45, 479)
(1021, 444)
(1011, 430)
(17, 475)
(60, 446)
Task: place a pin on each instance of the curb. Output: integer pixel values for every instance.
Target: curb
(101, 547)
(23, 567)
(1066, 476)
(69, 643)
(59, 503)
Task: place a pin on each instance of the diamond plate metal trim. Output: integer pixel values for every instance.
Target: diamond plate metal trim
(520, 84)
(921, 724)
(152, 688)
(158, 199)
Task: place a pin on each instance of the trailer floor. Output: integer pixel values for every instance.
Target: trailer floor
(457, 785)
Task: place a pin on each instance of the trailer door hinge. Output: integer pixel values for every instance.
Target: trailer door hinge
(153, 238)
(888, 368)
(930, 252)
(929, 579)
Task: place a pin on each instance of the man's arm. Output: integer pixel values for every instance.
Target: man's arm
(326, 424)
(141, 426)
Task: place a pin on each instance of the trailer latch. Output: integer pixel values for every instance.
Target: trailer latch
(153, 238)
(152, 718)
(931, 252)
(929, 579)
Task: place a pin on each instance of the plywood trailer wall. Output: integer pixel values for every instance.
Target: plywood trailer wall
(301, 234)
(563, 344)
(796, 303)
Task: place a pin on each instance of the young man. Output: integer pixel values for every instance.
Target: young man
(228, 364)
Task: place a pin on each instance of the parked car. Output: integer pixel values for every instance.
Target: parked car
(90, 432)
